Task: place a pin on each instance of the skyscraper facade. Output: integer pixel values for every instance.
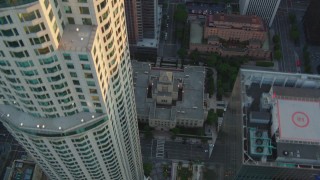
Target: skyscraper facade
(266, 9)
(66, 91)
(143, 23)
(134, 24)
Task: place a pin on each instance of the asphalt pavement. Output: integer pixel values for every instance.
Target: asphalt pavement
(168, 46)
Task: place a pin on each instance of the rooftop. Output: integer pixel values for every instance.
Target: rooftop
(77, 37)
(237, 21)
(191, 105)
(29, 123)
(292, 102)
(297, 114)
(148, 43)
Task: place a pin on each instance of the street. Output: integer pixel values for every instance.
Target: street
(174, 150)
(282, 28)
(167, 44)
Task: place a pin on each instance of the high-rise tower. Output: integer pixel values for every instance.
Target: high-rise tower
(266, 9)
(143, 23)
(66, 91)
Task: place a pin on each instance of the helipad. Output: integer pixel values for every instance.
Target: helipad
(298, 119)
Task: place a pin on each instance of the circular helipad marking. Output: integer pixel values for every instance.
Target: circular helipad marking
(300, 119)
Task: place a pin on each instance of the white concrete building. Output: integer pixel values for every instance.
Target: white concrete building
(266, 9)
(66, 91)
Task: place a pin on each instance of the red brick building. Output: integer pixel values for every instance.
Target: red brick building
(232, 35)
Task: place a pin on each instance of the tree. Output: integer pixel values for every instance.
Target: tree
(212, 117)
(224, 68)
(194, 56)
(292, 18)
(181, 14)
(182, 52)
(276, 39)
(210, 86)
(294, 33)
(175, 131)
(277, 55)
(212, 60)
(147, 167)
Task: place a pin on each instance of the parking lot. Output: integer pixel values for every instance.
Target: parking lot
(205, 8)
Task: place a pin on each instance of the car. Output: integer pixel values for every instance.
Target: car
(167, 25)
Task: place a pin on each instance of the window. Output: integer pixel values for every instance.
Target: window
(93, 91)
(82, 1)
(14, 44)
(29, 73)
(29, 16)
(4, 63)
(3, 20)
(20, 54)
(81, 96)
(95, 98)
(51, 15)
(86, 66)
(56, 78)
(59, 14)
(91, 83)
(8, 32)
(52, 69)
(39, 40)
(86, 21)
(41, 51)
(97, 104)
(83, 103)
(35, 28)
(73, 74)
(76, 82)
(25, 64)
(79, 90)
(67, 10)
(70, 66)
(71, 20)
(84, 10)
(83, 57)
(46, 3)
(48, 60)
(56, 3)
(66, 56)
(88, 75)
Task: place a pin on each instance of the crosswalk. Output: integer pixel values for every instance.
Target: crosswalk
(160, 148)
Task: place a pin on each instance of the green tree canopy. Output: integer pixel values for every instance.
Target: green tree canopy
(212, 117)
(292, 18)
(212, 60)
(181, 13)
(276, 39)
(147, 167)
(175, 131)
(277, 55)
(182, 52)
